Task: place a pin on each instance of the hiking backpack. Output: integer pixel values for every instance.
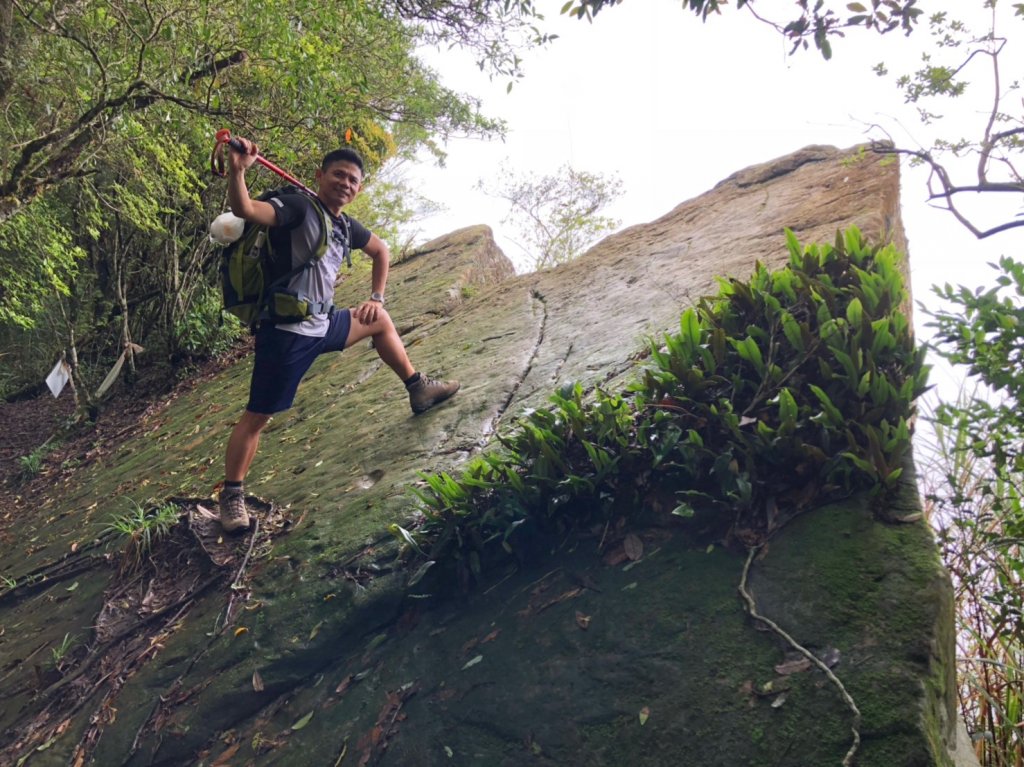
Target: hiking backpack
(255, 274)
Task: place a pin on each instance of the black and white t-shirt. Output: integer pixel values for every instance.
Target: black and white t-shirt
(299, 222)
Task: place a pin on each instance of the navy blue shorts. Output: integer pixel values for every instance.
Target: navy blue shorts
(282, 358)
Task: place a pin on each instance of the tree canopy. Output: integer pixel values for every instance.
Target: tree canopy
(962, 166)
(110, 110)
(557, 214)
(815, 22)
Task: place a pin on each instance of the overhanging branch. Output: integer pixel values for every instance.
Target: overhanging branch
(949, 189)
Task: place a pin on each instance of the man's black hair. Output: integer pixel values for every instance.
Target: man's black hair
(343, 155)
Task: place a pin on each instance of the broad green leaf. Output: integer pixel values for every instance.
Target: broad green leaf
(893, 475)
(751, 352)
(851, 371)
(690, 327)
(788, 409)
(855, 313)
(864, 384)
(683, 510)
(402, 534)
(830, 410)
(795, 251)
(791, 329)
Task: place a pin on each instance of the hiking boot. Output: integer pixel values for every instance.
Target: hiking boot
(427, 392)
(233, 515)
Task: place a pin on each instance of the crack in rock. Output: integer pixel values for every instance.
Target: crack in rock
(492, 427)
(562, 361)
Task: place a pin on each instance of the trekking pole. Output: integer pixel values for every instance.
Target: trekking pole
(223, 137)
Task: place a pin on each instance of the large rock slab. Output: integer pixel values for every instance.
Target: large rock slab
(302, 644)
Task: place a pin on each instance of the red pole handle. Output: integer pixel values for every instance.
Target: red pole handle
(223, 136)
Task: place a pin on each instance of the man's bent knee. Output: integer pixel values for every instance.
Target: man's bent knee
(358, 331)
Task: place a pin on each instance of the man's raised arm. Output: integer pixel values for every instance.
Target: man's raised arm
(242, 205)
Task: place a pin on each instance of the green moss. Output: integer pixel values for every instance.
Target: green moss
(668, 635)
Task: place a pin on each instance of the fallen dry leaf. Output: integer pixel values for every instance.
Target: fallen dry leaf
(225, 758)
(793, 666)
(343, 685)
(257, 681)
(570, 594)
(303, 721)
(583, 621)
(633, 547)
(315, 631)
(645, 714)
(615, 556)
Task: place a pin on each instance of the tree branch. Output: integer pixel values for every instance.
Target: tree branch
(213, 68)
(938, 171)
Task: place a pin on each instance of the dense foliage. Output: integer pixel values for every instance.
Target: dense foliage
(816, 22)
(109, 120)
(485, 23)
(780, 392)
(977, 499)
(985, 334)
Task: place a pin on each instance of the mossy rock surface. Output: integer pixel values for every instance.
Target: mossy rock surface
(303, 642)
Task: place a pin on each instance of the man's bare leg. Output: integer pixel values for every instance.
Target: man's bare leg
(386, 341)
(424, 391)
(242, 445)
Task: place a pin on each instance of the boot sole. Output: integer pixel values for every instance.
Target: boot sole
(425, 408)
(234, 528)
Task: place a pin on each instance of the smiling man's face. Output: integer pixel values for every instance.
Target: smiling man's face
(338, 184)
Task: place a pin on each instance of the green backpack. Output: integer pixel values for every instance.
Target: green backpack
(255, 274)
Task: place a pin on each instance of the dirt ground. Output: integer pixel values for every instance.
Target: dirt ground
(26, 425)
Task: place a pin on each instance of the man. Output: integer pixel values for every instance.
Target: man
(285, 351)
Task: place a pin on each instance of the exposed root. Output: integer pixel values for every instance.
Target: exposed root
(778, 630)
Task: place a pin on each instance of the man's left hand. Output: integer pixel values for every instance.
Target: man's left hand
(368, 312)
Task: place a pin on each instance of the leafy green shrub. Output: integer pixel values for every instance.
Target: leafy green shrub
(797, 382)
(205, 330)
(789, 389)
(986, 335)
(31, 464)
(977, 503)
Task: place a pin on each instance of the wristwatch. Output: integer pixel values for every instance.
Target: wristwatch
(378, 297)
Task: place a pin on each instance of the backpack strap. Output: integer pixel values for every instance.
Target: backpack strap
(326, 228)
(347, 226)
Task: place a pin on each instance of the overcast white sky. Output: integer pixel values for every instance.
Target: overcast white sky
(672, 106)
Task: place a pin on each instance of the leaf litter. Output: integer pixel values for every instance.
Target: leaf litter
(141, 609)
